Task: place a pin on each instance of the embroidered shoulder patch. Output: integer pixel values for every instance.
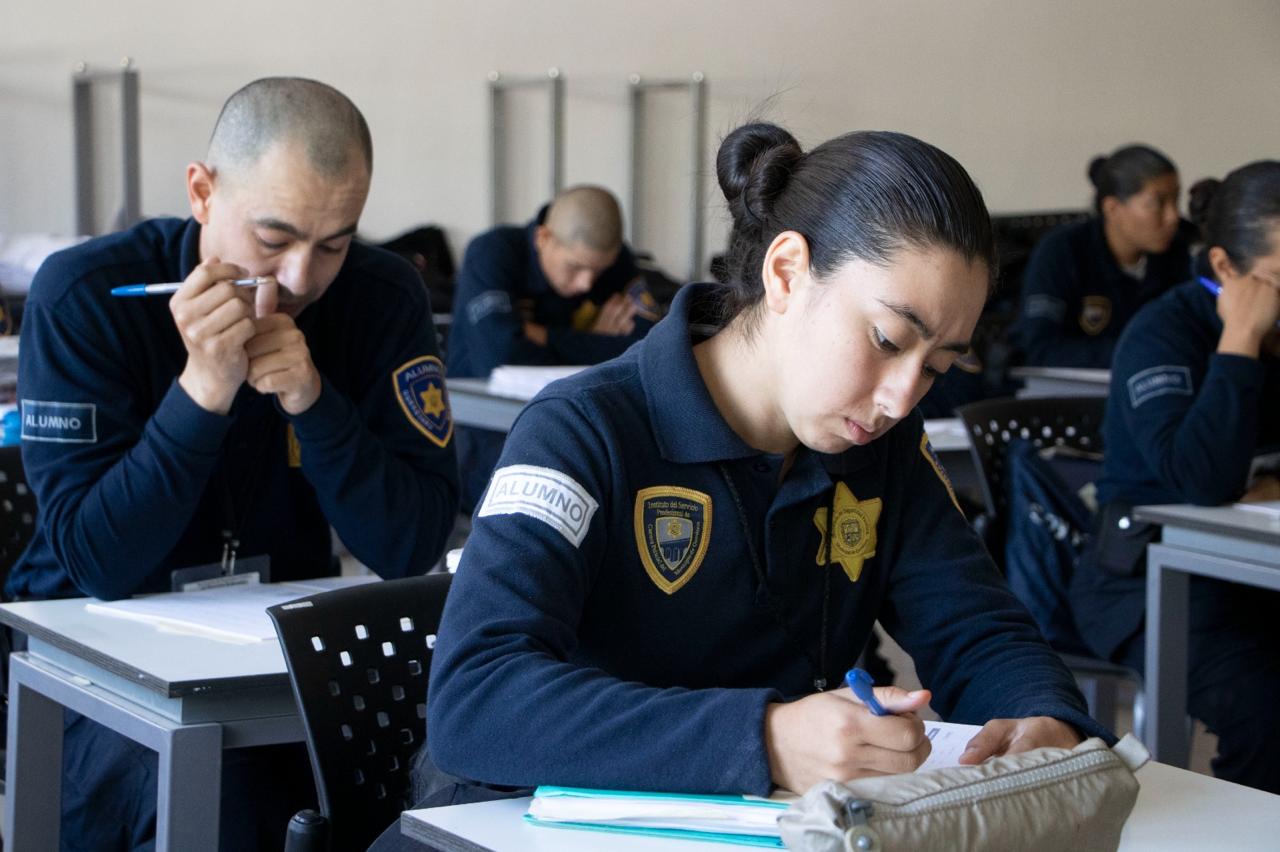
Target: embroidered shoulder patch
(552, 497)
(1152, 382)
(646, 305)
(488, 302)
(419, 388)
(673, 530)
(926, 449)
(1040, 306)
(59, 422)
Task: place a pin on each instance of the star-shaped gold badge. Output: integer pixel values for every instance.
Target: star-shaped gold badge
(855, 525)
(432, 401)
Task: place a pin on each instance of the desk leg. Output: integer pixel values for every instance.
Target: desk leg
(1166, 660)
(33, 792)
(190, 761)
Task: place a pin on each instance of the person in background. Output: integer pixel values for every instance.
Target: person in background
(162, 434)
(562, 290)
(1085, 280)
(1194, 391)
(682, 551)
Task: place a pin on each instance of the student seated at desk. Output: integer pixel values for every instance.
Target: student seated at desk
(1086, 279)
(163, 433)
(563, 289)
(683, 551)
(1194, 391)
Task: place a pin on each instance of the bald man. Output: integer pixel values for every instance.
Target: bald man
(229, 425)
(563, 290)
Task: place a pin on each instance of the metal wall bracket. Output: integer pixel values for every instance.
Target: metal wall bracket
(553, 81)
(696, 86)
(82, 82)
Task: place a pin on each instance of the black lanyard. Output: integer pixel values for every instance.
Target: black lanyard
(250, 487)
(772, 602)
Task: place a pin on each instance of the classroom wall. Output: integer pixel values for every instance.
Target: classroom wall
(1023, 92)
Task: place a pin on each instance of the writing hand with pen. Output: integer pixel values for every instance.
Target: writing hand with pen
(869, 730)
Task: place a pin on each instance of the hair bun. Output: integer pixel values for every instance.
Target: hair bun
(754, 165)
(1199, 198)
(1098, 172)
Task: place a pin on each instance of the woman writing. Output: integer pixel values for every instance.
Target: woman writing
(683, 550)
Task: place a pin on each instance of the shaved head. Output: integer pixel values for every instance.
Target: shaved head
(586, 216)
(318, 119)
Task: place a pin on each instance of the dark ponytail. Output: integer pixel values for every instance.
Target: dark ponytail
(864, 195)
(1199, 197)
(1126, 172)
(1242, 211)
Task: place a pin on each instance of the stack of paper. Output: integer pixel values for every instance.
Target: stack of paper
(1268, 508)
(744, 820)
(229, 613)
(526, 382)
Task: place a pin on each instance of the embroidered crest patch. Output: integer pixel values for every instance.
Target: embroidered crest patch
(585, 316)
(854, 521)
(294, 447)
(419, 388)
(673, 529)
(1095, 315)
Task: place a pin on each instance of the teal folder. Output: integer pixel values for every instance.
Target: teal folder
(740, 820)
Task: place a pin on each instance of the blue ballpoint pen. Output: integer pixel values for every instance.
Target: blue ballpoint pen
(1209, 284)
(1214, 287)
(172, 287)
(861, 684)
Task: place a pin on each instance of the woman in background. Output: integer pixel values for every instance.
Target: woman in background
(1195, 394)
(1085, 280)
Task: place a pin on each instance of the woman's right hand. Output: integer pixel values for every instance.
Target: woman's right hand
(831, 735)
(1249, 307)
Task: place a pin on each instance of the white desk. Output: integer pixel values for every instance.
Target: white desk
(186, 697)
(1062, 381)
(1176, 810)
(1223, 542)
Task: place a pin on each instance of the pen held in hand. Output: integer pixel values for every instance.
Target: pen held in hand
(1215, 288)
(862, 685)
(172, 287)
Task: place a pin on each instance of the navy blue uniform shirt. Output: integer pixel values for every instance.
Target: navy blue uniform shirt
(1076, 299)
(500, 270)
(133, 479)
(1183, 423)
(606, 627)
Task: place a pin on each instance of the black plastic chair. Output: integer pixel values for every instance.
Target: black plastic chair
(1073, 423)
(358, 661)
(17, 509)
(17, 525)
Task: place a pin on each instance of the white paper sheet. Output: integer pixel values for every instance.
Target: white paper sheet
(229, 614)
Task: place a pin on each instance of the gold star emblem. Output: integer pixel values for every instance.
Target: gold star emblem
(432, 401)
(854, 541)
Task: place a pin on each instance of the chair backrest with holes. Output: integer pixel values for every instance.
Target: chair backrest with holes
(358, 661)
(17, 509)
(1073, 422)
